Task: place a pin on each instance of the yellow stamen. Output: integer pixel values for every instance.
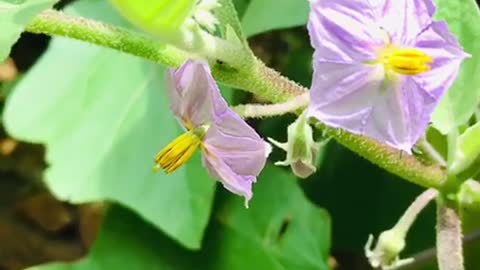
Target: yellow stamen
(406, 61)
(176, 153)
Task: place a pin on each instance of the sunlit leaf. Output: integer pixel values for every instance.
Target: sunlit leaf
(160, 16)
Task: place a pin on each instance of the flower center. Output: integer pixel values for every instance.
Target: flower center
(180, 150)
(406, 61)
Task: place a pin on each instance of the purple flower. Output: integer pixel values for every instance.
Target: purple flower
(380, 66)
(232, 151)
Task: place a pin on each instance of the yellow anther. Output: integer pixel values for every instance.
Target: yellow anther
(404, 61)
(176, 153)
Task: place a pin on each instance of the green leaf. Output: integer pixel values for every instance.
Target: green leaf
(14, 16)
(461, 100)
(103, 116)
(468, 148)
(164, 17)
(266, 15)
(281, 230)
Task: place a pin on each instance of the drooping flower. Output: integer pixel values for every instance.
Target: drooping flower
(380, 66)
(232, 151)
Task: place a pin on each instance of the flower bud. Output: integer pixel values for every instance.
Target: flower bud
(204, 16)
(386, 252)
(302, 151)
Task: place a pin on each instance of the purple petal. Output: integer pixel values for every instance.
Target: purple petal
(359, 99)
(344, 30)
(234, 153)
(392, 108)
(447, 56)
(405, 19)
(237, 184)
(188, 88)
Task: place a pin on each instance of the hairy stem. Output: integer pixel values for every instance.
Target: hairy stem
(256, 78)
(424, 257)
(267, 110)
(449, 237)
(57, 23)
(410, 215)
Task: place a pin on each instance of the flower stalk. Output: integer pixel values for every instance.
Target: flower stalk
(392, 242)
(268, 110)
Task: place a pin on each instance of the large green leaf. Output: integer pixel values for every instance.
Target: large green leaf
(14, 15)
(265, 15)
(281, 230)
(103, 115)
(461, 100)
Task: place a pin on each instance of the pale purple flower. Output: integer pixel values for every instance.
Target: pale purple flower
(380, 66)
(232, 151)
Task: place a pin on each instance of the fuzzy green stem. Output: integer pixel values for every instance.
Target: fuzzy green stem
(268, 110)
(57, 23)
(264, 82)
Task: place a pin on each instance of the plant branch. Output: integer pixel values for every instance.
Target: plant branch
(267, 110)
(449, 236)
(257, 78)
(422, 258)
(57, 23)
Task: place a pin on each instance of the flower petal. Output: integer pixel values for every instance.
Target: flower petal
(405, 19)
(365, 98)
(234, 153)
(447, 55)
(188, 92)
(237, 184)
(344, 30)
(359, 99)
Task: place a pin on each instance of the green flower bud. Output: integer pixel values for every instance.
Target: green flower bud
(386, 252)
(302, 151)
